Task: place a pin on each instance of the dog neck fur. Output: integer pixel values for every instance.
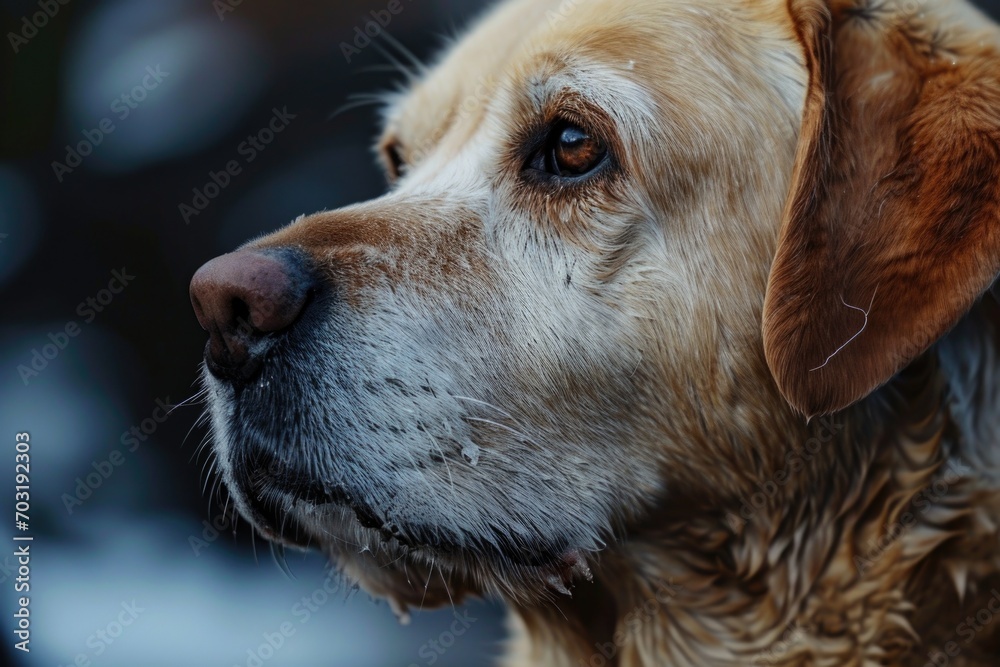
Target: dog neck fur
(862, 572)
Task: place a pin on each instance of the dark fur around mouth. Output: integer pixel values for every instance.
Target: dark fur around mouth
(271, 463)
(266, 480)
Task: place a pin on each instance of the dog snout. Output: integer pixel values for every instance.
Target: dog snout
(245, 296)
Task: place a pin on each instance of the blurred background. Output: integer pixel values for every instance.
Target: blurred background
(114, 116)
(118, 119)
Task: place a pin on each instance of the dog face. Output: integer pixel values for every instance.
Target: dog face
(551, 323)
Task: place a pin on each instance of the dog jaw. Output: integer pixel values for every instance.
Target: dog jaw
(499, 381)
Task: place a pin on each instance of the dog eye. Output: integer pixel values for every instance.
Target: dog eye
(394, 159)
(573, 151)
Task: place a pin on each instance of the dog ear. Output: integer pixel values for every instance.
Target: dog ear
(892, 226)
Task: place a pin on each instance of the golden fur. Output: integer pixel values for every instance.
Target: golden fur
(628, 377)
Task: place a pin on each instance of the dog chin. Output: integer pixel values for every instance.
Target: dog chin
(421, 579)
(406, 578)
(411, 565)
(415, 576)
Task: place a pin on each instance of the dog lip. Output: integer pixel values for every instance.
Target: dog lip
(265, 474)
(273, 520)
(556, 560)
(338, 496)
(498, 546)
(317, 495)
(261, 482)
(234, 374)
(550, 557)
(266, 479)
(417, 536)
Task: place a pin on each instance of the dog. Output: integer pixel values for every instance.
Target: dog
(674, 331)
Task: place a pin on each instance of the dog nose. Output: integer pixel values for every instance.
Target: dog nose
(242, 297)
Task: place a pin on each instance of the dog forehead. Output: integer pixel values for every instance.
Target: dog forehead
(523, 42)
(465, 78)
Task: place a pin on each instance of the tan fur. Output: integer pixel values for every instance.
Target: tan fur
(640, 370)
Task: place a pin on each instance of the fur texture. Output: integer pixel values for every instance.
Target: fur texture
(587, 397)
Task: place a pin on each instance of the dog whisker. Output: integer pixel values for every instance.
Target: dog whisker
(278, 555)
(197, 397)
(339, 538)
(418, 67)
(427, 584)
(208, 475)
(444, 582)
(481, 420)
(352, 105)
(486, 404)
(394, 61)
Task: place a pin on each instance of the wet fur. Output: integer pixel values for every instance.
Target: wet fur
(516, 389)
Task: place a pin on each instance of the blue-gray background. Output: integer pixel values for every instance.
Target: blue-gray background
(130, 540)
(133, 540)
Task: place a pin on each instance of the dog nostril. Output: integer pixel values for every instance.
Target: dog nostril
(241, 313)
(243, 296)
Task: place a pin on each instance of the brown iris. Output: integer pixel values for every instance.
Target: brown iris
(574, 151)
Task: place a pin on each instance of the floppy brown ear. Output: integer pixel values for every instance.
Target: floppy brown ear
(892, 226)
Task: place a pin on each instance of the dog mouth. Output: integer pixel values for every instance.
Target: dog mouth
(277, 496)
(275, 471)
(332, 477)
(290, 507)
(300, 494)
